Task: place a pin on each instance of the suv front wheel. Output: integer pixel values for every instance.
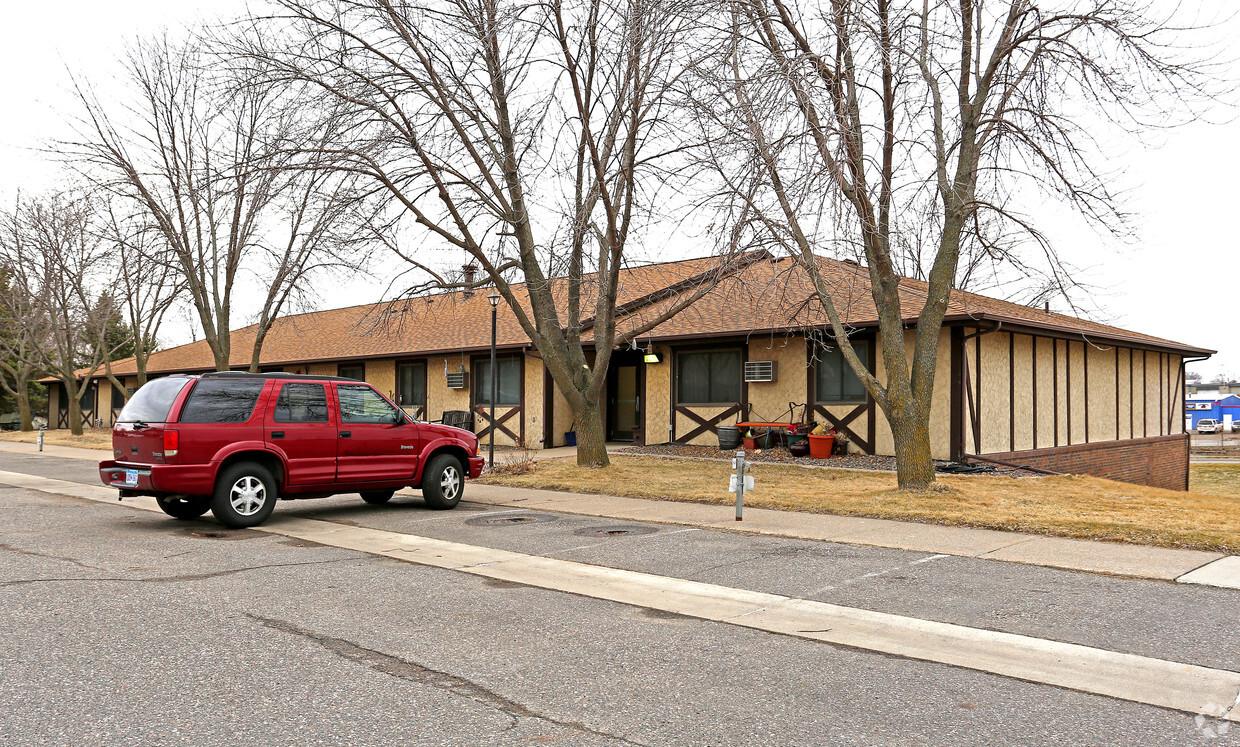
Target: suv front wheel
(245, 495)
(443, 482)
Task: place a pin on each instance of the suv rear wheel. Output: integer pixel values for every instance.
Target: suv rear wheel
(184, 507)
(443, 482)
(245, 495)
(378, 496)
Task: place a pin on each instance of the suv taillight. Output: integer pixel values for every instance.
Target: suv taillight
(172, 441)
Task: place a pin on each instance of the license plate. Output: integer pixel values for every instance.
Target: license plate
(131, 477)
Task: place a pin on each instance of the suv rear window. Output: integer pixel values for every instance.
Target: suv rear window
(151, 403)
(221, 401)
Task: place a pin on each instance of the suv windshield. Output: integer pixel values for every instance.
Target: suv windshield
(151, 403)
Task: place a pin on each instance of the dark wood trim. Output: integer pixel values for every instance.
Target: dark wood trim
(1033, 357)
(1116, 393)
(956, 443)
(548, 437)
(1011, 392)
(503, 413)
(842, 423)
(871, 416)
(977, 415)
(1171, 409)
(1085, 363)
(1055, 387)
(704, 424)
(420, 412)
(1161, 376)
(1067, 378)
(1145, 384)
(1132, 397)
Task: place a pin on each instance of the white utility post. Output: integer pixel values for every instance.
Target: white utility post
(741, 481)
(40, 438)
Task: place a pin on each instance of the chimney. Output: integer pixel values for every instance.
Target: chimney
(468, 273)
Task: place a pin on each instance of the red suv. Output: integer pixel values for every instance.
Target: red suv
(235, 442)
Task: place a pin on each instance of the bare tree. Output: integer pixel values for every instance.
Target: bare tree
(52, 248)
(206, 158)
(534, 140)
(877, 128)
(23, 325)
(147, 284)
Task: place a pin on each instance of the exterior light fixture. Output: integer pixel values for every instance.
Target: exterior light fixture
(651, 356)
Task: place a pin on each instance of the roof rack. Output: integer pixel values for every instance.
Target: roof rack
(273, 375)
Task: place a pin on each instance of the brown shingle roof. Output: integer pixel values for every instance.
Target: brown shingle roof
(766, 295)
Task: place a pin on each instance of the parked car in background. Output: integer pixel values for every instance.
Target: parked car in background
(236, 442)
(1235, 426)
(1209, 425)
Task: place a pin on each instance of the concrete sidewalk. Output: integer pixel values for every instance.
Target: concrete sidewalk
(1137, 561)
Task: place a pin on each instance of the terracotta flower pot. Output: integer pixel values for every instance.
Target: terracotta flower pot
(820, 446)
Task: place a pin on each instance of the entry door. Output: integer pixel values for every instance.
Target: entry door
(375, 441)
(623, 401)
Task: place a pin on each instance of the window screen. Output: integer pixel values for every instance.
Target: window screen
(411, 384)
(361, 404)
(118, 397)
(301, 403)
(221, 400)
(835, 381)
(508, 385)
(709, 378)
(357, 371)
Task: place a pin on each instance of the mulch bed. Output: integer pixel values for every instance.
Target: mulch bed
(781, 456)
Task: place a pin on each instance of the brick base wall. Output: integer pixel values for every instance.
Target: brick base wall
(1161, 461)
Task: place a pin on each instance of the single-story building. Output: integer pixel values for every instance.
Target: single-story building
(1224, 409)
(1014, 384)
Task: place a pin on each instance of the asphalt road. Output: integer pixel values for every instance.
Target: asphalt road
(119, 626)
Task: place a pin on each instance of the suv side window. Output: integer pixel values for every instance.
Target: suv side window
(360, 404)
(221, 401)
(301, 403)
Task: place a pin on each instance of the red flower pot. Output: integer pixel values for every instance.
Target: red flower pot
(820, 446)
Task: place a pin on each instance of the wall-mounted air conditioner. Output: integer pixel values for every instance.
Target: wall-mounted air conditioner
(457, 379)
(760, 371)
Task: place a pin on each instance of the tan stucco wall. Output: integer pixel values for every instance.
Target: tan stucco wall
(658, 397)
(769, 400)
(940, 405)
(53, 407)
(533, 413)
(381, 374)
(1024, 393)
(996, 381)
(685, 425)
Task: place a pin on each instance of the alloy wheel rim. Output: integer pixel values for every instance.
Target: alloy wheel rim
(248, 495)
(450, 483)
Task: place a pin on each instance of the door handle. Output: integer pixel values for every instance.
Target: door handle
(345, 434)
(277, 434)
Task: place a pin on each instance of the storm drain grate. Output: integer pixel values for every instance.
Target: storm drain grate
(615, 531)
(507, 520)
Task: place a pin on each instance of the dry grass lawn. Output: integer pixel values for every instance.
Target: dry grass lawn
(1068, 506)
(91, 438)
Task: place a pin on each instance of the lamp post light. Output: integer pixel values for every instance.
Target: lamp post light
(494, 299)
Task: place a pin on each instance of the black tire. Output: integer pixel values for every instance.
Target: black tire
(245, 495)
(377, 497)
(184, 507)
(443, 482)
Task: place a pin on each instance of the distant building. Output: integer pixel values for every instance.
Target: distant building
(1225, 408)
(1200, 390)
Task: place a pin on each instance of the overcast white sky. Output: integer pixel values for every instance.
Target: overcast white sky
(1178, 280)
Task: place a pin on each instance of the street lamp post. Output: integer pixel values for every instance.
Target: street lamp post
(494, 299)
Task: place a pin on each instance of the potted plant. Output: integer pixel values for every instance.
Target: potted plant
(821, 442)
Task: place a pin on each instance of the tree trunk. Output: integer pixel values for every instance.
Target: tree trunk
(23, 405)
(914, 465)
(75, 415)
(591, 435)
